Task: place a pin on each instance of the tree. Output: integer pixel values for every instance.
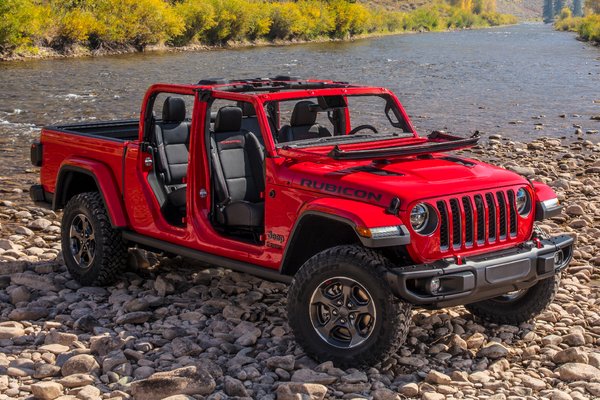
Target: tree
(577, 8)
(558, 6)
(592, 6)
(548, 11)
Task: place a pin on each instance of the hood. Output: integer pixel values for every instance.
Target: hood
(409, 179)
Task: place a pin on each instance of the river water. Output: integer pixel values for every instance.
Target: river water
(499, 81)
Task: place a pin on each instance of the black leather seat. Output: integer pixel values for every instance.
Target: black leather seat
(238, 164)
(172, 140)
(302, 124)
(250, 120)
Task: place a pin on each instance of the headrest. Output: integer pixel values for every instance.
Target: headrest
(302, 114)
(247, 109)
(173, 109)
(229, 119)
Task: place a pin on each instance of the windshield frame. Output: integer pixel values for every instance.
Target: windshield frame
(347, 92)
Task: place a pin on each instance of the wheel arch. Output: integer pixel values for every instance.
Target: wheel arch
(304, 243)
(329, 222)
(90, 176)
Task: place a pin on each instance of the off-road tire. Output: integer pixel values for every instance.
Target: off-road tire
(110, 255)
(522, 309)
(368, 268)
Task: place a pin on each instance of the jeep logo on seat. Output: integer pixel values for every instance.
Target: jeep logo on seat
(338, 189)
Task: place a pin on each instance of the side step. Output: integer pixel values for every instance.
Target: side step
(239, 266)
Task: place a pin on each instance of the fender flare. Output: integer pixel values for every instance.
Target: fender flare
(105, 182)
(355, 214)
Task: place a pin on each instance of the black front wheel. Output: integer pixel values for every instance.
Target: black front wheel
(94, 252)
(519, 306)
(341, 308)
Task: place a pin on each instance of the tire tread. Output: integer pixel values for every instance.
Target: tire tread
(112, 255)
(398, 318)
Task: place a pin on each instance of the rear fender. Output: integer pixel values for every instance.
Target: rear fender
(105, 182)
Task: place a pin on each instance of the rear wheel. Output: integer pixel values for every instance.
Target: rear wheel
(519, 306)
(341, 308)
(93, 251)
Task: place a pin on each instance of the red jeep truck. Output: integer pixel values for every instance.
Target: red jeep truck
(322, 184)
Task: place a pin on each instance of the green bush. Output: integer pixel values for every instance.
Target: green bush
(589, 29)
(423, 19)
(78, 25)
(198, 18)
(21, 23)
(287, 21)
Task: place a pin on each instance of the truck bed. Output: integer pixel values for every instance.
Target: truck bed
(120, 130)
(84, 146)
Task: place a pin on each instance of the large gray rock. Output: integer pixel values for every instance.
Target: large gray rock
(32, 281)
(113, 359)
(46, 390)
(28, 313)
(188, 380)
(56, 337)
(39, 224)
(76, 380)
(136, 317)
(283, 362)
(10, 330)
(577, 372)
(234, 387)
(296, 390)
(493, 351)
(80, 364)
(306, 375)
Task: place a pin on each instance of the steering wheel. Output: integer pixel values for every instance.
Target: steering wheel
(361, 127)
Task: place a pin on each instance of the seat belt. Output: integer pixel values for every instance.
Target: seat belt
(219, 176)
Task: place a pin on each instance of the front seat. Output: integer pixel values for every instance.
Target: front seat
(250, 120)
(237, 159)
(172, 141)
(302, 124)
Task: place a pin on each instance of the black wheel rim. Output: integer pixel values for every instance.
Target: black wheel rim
(510, 296)
(342, 312)
(83, 241)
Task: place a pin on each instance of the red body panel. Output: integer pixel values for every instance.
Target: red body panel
(297, 181)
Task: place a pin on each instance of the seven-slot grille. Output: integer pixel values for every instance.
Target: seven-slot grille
(477, 219)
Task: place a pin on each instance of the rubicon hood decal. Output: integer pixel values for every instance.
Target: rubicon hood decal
(340, 189)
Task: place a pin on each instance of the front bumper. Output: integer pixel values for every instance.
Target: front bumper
(482, 277)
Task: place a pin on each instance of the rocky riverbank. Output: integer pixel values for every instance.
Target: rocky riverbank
(171, 326)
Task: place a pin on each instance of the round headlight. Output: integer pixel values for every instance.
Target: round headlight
(419, 217)
(523, 201)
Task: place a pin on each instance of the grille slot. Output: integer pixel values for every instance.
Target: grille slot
(513, 212)
(456, 228)
(480, 207)
(491, 205)
(444, 238)
(502, 210)
(468, 220)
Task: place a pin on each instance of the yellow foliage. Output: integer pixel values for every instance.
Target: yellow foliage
(587, 27)
(178, 22)
(138, 22)
(77, 25)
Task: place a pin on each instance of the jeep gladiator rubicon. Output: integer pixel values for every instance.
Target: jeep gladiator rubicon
(324, 185)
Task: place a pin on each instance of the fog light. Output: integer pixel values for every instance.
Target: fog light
(433, 285)
(558, 258)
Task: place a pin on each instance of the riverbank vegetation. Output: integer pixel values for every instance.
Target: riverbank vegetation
(588, 27)
(104, 26)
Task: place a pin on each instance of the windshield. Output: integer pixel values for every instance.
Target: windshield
(325, 120)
